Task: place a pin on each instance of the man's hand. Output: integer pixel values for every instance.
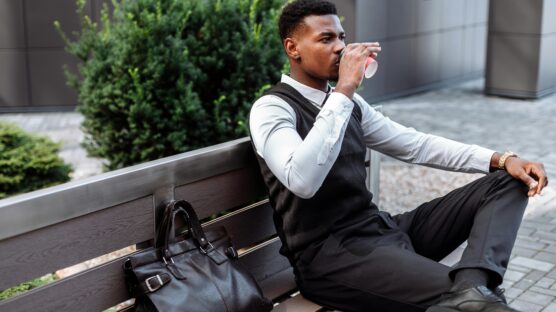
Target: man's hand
(352, 66)
(531, 173)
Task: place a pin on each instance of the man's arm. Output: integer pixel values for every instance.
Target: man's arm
(299, 164)
(409, 145)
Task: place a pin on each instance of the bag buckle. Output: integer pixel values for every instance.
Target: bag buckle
(205, 251)
(156, 287)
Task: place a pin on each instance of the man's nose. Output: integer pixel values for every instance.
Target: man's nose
(340, 46)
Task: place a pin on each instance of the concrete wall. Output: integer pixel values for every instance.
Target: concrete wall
(32, 54)
(522, 48)
(425, 43)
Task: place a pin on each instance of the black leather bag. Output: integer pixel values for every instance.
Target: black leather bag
(200, 273)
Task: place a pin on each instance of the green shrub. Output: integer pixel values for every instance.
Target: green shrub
(24, 287)
(160, 77)
(28, 162)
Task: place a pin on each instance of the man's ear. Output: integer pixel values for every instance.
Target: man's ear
(290, 45)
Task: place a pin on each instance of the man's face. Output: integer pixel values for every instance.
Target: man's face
(320, 39)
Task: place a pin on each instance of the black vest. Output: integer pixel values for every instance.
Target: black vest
(343, 199)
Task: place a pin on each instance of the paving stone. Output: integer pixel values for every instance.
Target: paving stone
(546, 235)
(525, 252)
(530, 244)
(534, 297)
(545, 291)
(533, 264)
(545, 282)
(529, 238)
(535, 275)
(546, 241)
(506, 284)
(523, 284)
(515, 267)
(524, 231)
(513, 276)
(550, 308)
(545, 256)
(544, 225)
(552, 274)
(525, 306)
(550, 248)
(512, 293)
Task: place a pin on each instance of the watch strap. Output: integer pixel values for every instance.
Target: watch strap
(504, 157)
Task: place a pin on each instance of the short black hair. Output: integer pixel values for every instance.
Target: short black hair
(294, 13)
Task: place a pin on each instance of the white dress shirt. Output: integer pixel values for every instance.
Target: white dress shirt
(302, 165)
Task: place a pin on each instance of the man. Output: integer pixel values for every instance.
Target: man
(310, 140)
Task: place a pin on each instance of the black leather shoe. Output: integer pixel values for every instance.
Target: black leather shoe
(476, 299)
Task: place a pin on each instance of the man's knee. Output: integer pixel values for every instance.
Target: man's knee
(500, 175)
(502, 179)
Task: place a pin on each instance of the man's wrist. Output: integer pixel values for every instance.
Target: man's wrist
(346, 90)
(504, 158)
(498, 161)
(494, 160)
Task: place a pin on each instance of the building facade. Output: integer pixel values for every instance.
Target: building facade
(425, 44)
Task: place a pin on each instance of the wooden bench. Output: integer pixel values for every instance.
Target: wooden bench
(57, 227)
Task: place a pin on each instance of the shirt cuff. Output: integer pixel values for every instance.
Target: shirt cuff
(481, 159)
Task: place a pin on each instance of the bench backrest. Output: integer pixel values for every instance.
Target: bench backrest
(57, 227)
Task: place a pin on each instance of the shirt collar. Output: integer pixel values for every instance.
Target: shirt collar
(315, 96)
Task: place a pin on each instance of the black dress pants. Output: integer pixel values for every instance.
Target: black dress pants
(390, 263)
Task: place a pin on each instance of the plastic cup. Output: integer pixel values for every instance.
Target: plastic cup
(371, 65)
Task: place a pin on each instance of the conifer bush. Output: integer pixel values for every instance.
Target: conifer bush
(160, 77)
(28, 162)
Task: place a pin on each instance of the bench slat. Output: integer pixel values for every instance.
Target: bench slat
(247, 226)
(223, 192)
(297, 304)
(96, 289)
(48, 249)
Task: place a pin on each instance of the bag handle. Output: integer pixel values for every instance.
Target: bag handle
(162, 229)
(184, 208)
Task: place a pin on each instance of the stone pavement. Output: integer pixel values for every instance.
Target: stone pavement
(460, 112)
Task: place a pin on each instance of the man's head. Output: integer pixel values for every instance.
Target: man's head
(313, 38)
(295, 12)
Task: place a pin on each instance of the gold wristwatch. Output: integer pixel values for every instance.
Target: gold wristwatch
(504, 157)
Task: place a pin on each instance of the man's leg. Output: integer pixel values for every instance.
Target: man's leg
(486, 212)
(388, 278)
